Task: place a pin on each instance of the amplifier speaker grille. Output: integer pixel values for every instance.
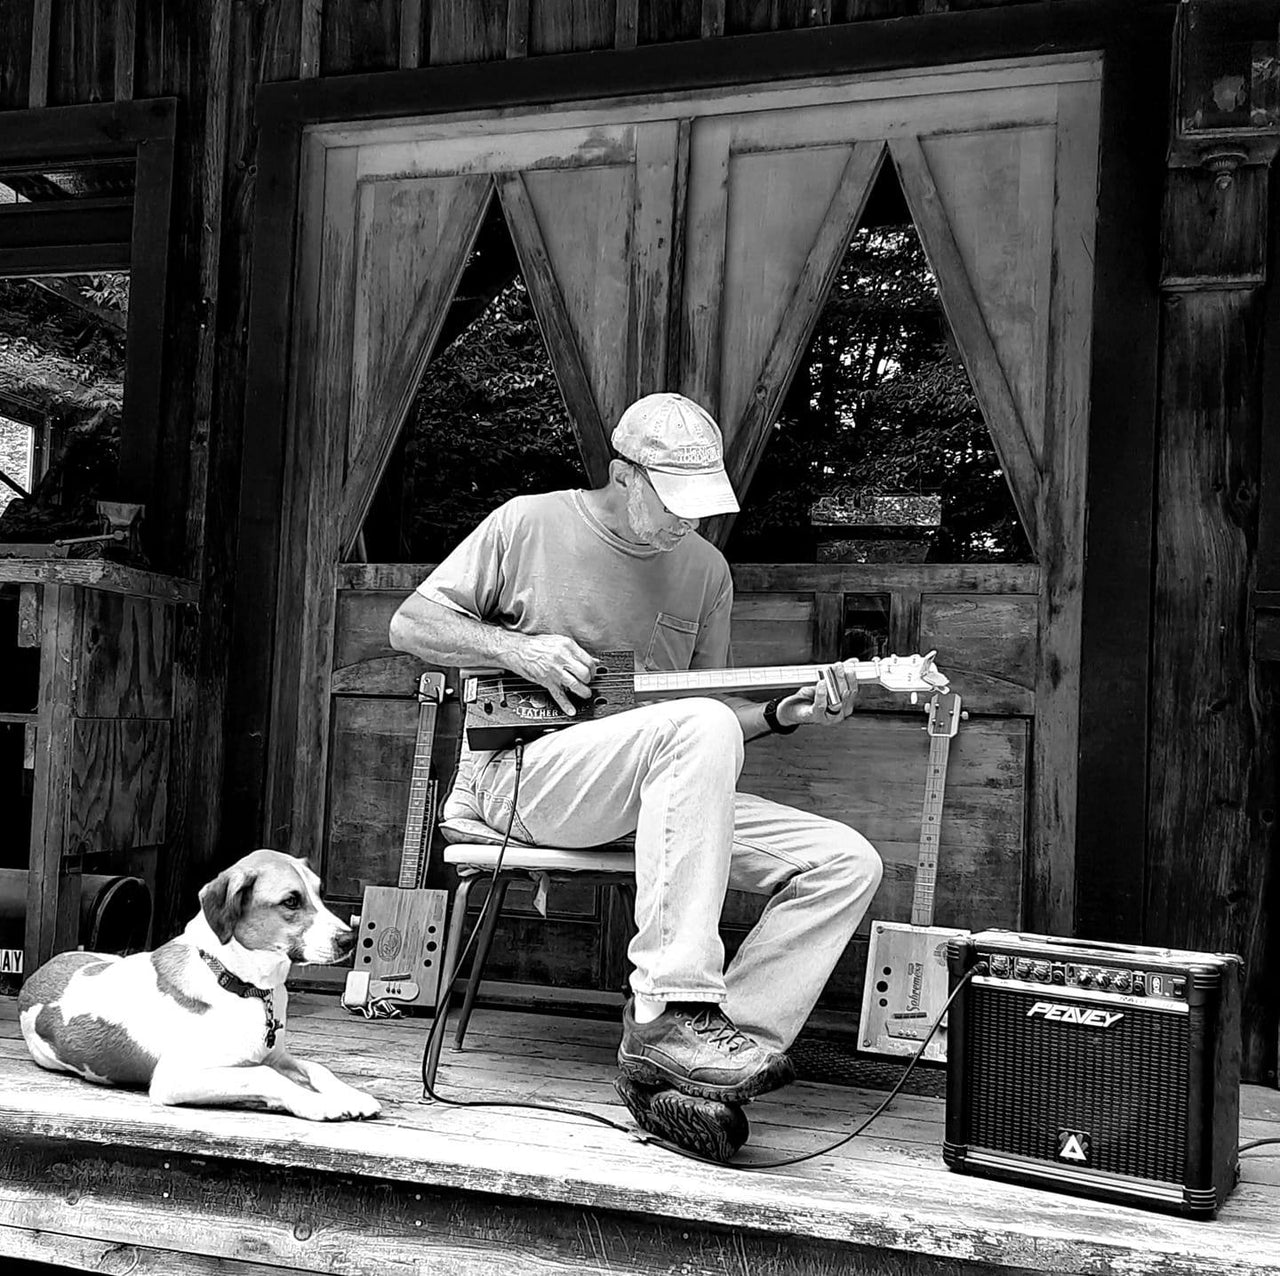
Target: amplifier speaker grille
(1127, 1086)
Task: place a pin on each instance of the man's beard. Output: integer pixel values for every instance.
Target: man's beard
(644, 527)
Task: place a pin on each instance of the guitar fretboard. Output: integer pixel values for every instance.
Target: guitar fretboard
(761, 678)
(922, 900)
(419, 801)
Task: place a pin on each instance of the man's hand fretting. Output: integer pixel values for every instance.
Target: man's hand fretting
(558, 664)
(828, 701)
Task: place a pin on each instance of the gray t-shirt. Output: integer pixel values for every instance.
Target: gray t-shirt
(546, 565)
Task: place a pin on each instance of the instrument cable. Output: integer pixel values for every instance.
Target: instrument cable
(430, 1094)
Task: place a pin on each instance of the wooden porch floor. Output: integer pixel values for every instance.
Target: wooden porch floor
(102, 1180)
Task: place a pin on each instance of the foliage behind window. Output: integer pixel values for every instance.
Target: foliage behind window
(880, 404)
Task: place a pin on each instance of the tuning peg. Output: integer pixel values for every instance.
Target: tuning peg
(964, 715)
(915, 697)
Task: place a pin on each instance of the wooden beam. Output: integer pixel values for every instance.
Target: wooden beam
(1214, 234)
(126, 41)
(411, 33)
(41, 37)
(271, 303)
(83, 132)
(557, 328)
(1032, 29)
(713, 13)
(1115, 637)
(142, 474)
(1008, 433)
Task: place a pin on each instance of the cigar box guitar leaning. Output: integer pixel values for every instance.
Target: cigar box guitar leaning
(502, 708)
(906, 981)
(401, 927)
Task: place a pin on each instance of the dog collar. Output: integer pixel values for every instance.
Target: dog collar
(233, 983)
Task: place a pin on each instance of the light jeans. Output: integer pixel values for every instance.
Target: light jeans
(668, 772)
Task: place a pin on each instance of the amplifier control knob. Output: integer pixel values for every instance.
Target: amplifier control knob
(1086, 978)
(1123, 980)
(1042, 970)
(1104, 979)
(1022, 968)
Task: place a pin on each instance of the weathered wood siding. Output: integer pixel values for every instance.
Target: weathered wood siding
(1211, 812)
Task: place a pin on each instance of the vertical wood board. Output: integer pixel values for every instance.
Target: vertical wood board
(1210, 860)
(997, 189)
(776, 204)
(1062, 517)
(361, 37)
(964, 313)
(82, 41)
(987, 644)
(125, 659)
(412, 239)
(585, 216)
(472, 32)
(119, 785)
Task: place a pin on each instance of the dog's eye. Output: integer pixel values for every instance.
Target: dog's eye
(292, 900)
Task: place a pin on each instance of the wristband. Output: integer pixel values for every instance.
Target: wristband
(771, 718)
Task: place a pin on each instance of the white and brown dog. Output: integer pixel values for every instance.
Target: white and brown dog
(201, 1020)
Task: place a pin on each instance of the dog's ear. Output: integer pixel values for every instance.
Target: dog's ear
(223, 902)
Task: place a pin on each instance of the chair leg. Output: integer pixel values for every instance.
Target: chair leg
(452, 948)
(484, 941)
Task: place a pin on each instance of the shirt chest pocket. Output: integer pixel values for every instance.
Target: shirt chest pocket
(672, 643)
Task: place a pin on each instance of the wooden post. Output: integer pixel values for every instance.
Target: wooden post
(1215, 743)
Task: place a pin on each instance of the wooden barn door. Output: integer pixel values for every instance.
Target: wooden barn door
(387, 230)
(691, 244)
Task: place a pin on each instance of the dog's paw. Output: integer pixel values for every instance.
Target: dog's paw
(321, 1107)
(347, 1104)
(364, 1105)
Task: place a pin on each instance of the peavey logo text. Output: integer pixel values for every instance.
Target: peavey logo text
(1075, 1014)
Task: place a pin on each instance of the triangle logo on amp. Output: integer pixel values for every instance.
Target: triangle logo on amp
(1074, 1146)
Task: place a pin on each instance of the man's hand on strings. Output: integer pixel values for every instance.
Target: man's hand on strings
(828, 701)
(558, 664)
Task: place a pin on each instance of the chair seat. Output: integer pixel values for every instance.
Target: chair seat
(542, 859)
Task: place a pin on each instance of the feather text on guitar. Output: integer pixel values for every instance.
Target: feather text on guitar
(502, 708)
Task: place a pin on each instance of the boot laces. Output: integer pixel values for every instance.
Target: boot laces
(719, 1030)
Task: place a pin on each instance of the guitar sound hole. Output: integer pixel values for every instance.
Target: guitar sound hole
(487, 706)
(882, 986)
(599, 700)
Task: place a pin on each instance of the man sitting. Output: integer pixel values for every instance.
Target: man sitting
(542, 583)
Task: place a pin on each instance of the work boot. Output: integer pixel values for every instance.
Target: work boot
(705, 1126)
(694, 1047)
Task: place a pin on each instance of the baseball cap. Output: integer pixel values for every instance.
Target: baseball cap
(681, 449)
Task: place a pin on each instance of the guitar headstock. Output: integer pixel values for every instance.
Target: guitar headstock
(431, 687)
(911, 673)
(944, 713)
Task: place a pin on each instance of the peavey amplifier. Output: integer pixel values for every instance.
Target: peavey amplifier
(1104, 1069)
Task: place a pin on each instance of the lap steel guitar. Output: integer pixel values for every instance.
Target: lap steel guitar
(502, 708)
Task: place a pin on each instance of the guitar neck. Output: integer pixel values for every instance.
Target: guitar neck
(922, 900)
(762, 678)
(415, 822)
